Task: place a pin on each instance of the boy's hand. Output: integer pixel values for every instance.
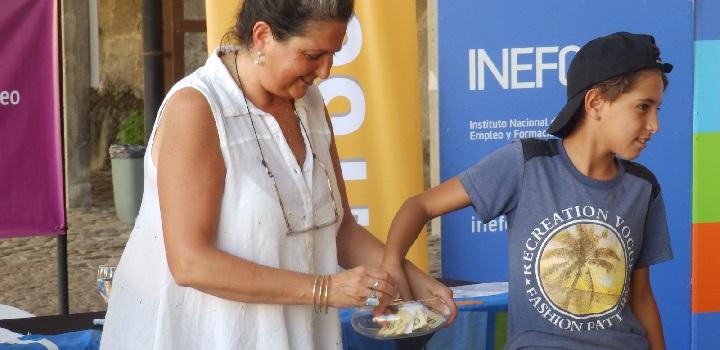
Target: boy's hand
(396, 272)
(424, 286)
(395, 269)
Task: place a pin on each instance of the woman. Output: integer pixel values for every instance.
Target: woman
(245, 217)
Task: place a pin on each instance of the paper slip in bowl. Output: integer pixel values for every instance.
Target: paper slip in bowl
(402, 320)
(479, 290)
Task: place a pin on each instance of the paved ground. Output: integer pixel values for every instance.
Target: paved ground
(28, 266)
(95, 237)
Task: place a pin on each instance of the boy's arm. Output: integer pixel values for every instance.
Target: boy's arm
(412, 217)
(642, 303)
(417, 210)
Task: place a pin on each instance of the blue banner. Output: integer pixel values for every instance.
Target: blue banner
(502, 76)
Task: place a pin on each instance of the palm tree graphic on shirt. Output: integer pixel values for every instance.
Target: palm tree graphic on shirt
(582, 269)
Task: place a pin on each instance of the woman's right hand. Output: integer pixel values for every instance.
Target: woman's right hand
(352, 288)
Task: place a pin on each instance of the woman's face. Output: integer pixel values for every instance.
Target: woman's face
(290, 67)
(630, 121)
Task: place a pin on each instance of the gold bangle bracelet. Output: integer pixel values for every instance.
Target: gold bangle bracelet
(325, 296)
(315, 295)
(320, 293)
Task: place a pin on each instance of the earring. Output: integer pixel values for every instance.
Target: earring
(258, 59)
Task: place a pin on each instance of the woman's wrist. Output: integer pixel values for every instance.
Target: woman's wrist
(320, 293)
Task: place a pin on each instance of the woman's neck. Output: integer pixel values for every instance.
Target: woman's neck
(589, 157)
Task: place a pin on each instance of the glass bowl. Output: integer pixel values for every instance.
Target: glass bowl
(401, 319)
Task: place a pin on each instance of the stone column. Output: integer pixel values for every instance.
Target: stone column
(75, 63)
(432, 115)
(432, 90)
(422, 36)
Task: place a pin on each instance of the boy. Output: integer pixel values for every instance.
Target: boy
(584, 221)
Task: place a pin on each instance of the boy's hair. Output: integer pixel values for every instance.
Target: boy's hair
(611, 63)
(611, 89)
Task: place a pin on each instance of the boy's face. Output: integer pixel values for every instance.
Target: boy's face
(629, 121)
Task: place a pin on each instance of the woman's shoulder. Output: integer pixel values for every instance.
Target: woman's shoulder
(189, 95)
(188, 98)
(207, 86)
(195, 83)
(210, 76)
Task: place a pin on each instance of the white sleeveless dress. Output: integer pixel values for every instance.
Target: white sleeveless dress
(147, 310)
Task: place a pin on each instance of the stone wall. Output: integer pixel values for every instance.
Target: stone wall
(195, 43)
(120, 44)
(75, 86)
(121, 68)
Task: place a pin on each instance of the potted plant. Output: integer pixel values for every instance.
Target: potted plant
(126, 162)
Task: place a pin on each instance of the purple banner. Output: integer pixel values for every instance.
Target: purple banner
(31, 179)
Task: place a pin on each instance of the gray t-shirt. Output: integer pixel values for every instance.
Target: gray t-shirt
(573, 244)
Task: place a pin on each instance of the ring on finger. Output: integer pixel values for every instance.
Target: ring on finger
(375, 285)
(373, 299)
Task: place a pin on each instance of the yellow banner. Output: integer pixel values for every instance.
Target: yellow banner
(373, 97)
(220, 18)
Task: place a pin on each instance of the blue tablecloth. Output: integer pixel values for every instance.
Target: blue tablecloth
(82, 340)
(474, 328)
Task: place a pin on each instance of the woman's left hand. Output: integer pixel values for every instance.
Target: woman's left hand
(424, 286)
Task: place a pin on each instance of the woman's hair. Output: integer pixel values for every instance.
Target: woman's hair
(612, 88)
(287, 18)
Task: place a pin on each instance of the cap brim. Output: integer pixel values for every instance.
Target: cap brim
(663, 67)
(564, 121)
(666, 67)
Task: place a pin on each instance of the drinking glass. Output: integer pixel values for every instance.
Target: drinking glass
(104, 280)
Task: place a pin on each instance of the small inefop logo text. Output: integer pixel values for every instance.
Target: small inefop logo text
(516, 60)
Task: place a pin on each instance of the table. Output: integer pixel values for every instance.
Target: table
(467, 330)
(478, 326)
(54, 324)
(61, 332)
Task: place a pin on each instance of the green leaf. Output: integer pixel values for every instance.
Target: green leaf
(132, 129)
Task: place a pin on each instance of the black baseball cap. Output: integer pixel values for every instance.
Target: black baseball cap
(599, 60)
